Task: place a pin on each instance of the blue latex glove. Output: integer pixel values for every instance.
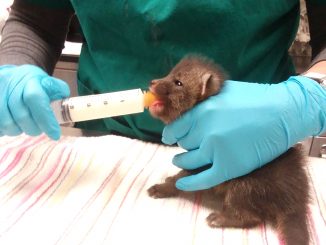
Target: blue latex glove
(244, 127)
(25, 95)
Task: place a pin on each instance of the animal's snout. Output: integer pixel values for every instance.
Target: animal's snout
(160, 87)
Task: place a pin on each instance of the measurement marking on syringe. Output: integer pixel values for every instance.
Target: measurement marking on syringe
(91, 107)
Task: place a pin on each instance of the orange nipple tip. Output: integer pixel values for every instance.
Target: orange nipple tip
(149, 98)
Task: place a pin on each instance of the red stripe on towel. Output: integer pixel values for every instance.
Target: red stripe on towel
(93, 197)
(25, 181)
(45, 180)
(18, 156)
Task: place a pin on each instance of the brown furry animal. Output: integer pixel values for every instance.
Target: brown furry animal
(277, 193)
(192, 80)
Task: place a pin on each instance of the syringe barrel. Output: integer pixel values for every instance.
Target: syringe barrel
(83, 108)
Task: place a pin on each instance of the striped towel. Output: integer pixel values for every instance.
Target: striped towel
(92, 190)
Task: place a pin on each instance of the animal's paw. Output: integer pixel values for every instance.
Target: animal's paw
(161, 191)
(215, 219)
(156, 192)
(170, 179)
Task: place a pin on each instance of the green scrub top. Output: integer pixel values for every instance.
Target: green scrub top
(129, 43)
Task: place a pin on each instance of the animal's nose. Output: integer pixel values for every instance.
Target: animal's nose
(153, 82)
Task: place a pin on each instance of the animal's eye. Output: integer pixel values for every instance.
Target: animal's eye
(178, 83)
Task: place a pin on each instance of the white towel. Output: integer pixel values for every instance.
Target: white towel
(93, 191)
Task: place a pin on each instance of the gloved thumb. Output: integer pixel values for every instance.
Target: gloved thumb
(55, 88)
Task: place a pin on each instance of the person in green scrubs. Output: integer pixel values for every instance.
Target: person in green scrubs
(129, 43)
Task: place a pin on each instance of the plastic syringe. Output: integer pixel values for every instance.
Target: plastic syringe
(89, 107)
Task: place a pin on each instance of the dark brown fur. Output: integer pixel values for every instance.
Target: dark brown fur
(277, 193)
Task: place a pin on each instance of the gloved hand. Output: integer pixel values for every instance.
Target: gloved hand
(25, 95)
(244, 127)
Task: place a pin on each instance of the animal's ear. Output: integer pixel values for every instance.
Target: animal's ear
(204, 80)
(210, 84)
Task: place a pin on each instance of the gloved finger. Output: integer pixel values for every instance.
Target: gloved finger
(191, 159)
(7, 123)
(38, 103)
(201, 181)
(173, 132)
(22, 116)
(12, 130)
(192, 139)
(55, 88)
(190, 129)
